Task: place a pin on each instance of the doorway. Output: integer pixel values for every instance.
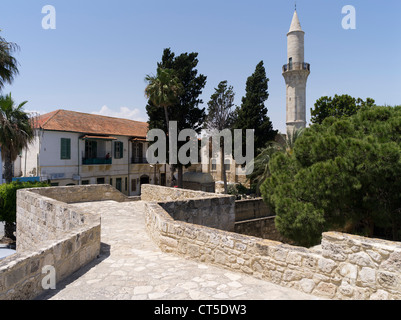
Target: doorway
(119, 184)
(143, 180)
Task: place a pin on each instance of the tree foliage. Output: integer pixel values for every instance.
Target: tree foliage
(283, 144)
(8, 63)
(220, 113)
(187, 109)
(163, 90)
(220, 116)
(338, 106)
(16, 132)
(253, 113)
(342, 175)
(8, 198)
(8, 203)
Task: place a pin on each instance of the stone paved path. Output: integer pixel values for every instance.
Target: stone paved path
(131, 267)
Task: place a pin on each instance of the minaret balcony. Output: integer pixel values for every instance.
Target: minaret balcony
(296, 66)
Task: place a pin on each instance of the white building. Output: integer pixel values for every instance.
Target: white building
(73, 148)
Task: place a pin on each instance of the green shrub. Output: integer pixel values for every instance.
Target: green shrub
(342, 173)
(8, 198)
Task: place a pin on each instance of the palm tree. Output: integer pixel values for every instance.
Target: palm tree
(8, 64)
(16, 133)
(163, 91)
(283, 144)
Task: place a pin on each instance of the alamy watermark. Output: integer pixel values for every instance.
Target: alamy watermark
(49, 280)
(349, 20)
(189, 151)
(49, 20)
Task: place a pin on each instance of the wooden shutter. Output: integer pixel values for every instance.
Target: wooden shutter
(65, 152)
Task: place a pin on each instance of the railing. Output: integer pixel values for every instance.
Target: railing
(96, 161)
(296, 66)
(136, 160)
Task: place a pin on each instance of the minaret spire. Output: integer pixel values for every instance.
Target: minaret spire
(296, 73)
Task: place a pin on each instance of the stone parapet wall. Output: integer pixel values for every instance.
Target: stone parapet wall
(49, 233)
(347, 267)
(251, 209)
(264, 228)
(196, 207)
(84, 193)
(40, 219)
(22, 277)
(160, 193)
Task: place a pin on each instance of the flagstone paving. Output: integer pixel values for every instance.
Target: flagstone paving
(132, 267)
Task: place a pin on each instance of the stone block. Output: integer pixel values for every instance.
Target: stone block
(307, 285)
(393, 263)
(325, 289)
(368, 277)
(348, 271)
(220, 257)
(361, 259)
(326, 265)
(388, 279)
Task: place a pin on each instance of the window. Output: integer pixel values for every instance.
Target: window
(90, 149)
(290, 64)
(85, 182)
(118, 184)
(118, 150)
(133, 184)
(227, 165)
(111, 181)
(137, 153)
(126, 184)
(65, 152)
(100, 180)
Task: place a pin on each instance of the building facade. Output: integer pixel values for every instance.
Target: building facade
(73, 148)
(296, 73)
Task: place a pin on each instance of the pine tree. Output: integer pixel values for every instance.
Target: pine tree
(253, 113)
(187, 111)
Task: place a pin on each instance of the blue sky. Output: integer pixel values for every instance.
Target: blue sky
(96, 59)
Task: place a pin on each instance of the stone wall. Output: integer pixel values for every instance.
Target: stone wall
(160, 193)
(202, 208)
(49, 233)
(251, 209)
(347, 267)
(85, 193)
(264, 228)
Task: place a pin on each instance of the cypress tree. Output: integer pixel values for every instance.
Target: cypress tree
(253, 113)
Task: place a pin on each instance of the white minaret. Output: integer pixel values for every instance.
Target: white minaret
(296, 73)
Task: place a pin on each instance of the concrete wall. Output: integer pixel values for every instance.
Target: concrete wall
(347, 267)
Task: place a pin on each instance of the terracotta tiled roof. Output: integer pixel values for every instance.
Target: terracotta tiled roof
(71, 121)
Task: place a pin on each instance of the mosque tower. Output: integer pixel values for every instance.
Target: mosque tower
(296, 73)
